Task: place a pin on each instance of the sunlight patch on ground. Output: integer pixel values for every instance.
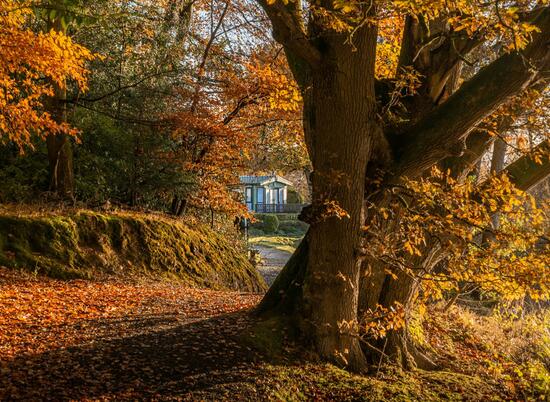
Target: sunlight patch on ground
(282, 243)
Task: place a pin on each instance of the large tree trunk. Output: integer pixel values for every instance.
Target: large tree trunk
(343, 129)
(340, 127)
(376, 287)
(320, 286)
(331, 285)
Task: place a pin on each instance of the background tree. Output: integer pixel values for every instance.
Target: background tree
(28, 57)
(176, 106)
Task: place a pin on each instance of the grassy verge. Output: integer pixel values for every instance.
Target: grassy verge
(481, 358)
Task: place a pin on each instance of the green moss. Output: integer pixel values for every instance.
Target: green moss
(88, 244)
(268, 336)
(327, 382)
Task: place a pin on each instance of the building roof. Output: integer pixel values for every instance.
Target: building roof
(263, 180)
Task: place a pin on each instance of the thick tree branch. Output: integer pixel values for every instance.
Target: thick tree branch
(288, 30)
(526, 173)
(479, 140)
(435, 52)
(476, 145)
(442, 132)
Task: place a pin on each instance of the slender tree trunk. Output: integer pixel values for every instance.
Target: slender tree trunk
(399, 346)
(497, 165)
(380, 288)
(60, 152)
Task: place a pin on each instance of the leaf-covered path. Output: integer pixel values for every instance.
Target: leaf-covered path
(103, 341)
(272, 261)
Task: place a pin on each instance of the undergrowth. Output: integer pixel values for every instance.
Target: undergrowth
(481, 358)
(510, 350)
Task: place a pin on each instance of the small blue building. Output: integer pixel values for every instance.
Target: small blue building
(267, 194)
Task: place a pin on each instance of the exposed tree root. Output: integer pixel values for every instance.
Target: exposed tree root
(401, 349)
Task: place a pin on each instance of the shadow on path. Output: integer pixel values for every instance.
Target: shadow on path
(175, 362)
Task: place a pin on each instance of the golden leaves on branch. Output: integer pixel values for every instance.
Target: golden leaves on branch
(278, 89)
(378, 322)
(439, 214)
(463, 18)
(246, 110)
(31, 64)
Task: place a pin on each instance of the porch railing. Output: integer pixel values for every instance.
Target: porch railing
(278, 208)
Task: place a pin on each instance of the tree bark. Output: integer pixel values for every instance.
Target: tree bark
(497, 165)
(442, 132)
(60, 157)
(526, 172)
(342, 133)
(60, 152)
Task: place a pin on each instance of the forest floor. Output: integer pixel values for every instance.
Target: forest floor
(86, 340)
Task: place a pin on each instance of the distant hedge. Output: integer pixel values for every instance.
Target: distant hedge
(287, 217)
(293, 227)
(294, 197)
(268, 223)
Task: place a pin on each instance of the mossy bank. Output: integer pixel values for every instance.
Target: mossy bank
(86, 244)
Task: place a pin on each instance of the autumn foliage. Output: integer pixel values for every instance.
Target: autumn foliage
(30, 65)
(420, 128)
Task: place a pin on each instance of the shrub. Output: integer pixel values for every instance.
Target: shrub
(287, 217)
(267, 222)
(293, 227)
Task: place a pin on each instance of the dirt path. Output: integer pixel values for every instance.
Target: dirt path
(273, 260)
(84, 340)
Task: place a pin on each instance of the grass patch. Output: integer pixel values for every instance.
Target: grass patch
(282, 243)
(268, 337)
(325, 382)
(510, 351)
(482, 358)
